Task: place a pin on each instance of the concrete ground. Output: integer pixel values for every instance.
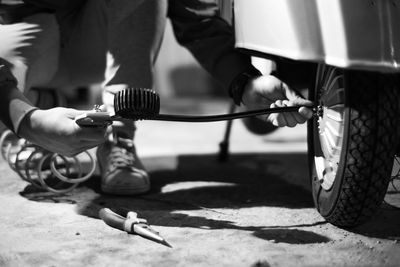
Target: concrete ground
(254, 210)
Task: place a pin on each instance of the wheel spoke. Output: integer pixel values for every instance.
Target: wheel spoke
(328, 84)
(331, 85)
(326, 146)
(334, 99)
(333, 115)
(332, 129)
(339, 107)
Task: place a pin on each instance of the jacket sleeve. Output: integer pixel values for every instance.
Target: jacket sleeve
(14, 106)
(198, 27)
(50, 4)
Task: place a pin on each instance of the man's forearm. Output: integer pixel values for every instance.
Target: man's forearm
(14, 106)
(198, 27)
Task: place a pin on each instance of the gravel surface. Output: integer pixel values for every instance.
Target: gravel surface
(254, 210)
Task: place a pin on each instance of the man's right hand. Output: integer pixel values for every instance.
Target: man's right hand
(55, 130)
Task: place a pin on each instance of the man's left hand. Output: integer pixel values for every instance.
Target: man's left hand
(268, 91)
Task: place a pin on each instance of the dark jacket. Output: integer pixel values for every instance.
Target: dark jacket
(56, 4)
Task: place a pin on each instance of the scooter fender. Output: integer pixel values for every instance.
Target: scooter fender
(355, 34)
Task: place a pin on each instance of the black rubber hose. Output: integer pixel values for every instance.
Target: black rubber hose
(144, 104)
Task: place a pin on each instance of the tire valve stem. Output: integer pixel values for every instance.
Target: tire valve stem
(318, 111)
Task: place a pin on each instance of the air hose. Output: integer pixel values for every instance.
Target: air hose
(144, 104)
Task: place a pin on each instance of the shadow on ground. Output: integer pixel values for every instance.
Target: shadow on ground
(199, 182)
(385, 224)
(193, 181)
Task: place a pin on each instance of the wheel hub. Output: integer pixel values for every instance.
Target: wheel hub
(329, 126)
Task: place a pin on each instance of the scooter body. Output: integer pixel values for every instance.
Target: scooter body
(354, 34)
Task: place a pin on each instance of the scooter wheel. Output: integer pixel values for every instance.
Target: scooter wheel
(352, 142)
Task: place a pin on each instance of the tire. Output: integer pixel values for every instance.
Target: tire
(352, 142)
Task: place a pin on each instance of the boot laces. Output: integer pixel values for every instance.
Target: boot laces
(121, 154)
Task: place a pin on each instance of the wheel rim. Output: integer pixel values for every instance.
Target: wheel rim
(329, 124)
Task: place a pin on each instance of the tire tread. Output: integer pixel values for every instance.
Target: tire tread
(374, 102)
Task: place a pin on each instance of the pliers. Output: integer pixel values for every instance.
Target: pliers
(132, 225)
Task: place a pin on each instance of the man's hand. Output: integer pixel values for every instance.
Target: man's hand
(268, 91)
(55, 130)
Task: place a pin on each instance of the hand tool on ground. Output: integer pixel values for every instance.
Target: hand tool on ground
(132, 225)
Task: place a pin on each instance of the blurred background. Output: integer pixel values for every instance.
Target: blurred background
(177, 73)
